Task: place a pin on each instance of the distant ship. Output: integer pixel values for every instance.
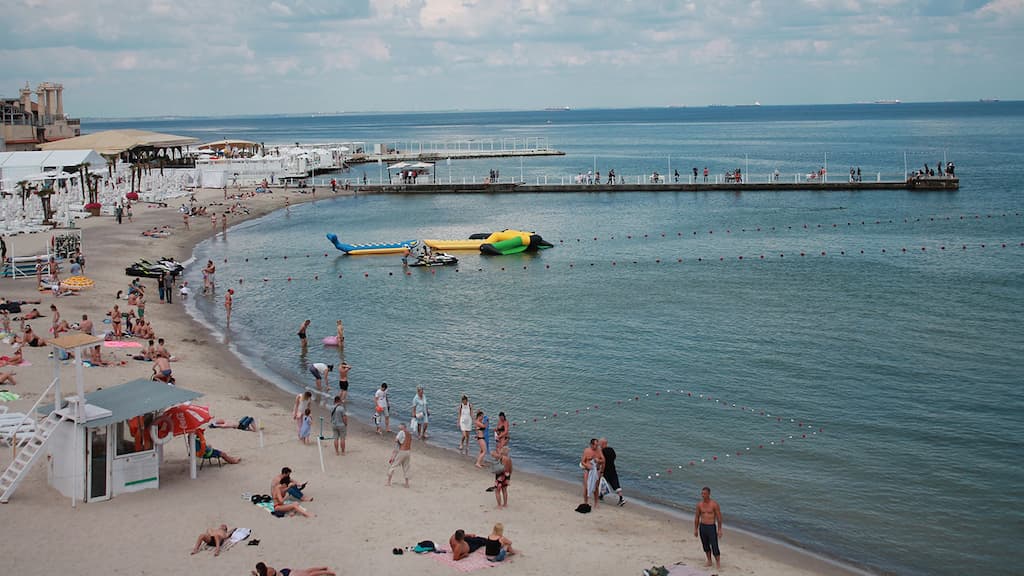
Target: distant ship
(892, 101)
(988, 100)
(558, 109)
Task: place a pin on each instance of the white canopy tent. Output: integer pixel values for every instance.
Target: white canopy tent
(18, 166)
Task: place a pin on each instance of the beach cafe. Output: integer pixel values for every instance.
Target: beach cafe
(104, 443)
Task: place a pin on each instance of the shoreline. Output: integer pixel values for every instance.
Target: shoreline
(541, 505)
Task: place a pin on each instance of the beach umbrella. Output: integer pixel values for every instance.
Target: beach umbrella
(187, 418)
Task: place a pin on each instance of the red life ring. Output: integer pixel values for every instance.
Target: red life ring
(161, 431)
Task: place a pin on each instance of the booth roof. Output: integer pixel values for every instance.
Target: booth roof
(112, 142)
(133, 399)
(55, 159)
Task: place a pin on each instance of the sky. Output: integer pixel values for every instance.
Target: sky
(131, 58)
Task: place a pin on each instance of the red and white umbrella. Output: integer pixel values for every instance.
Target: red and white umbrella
(186, 418)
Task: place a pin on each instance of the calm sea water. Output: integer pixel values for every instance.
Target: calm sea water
(904, 368)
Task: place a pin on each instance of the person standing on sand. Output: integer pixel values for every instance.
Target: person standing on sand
(228, 301)
(481, 437)
(502, 469)
(343, 369)
(115, 322)
(400, 455)
(591, 463)
(707, 523)
(306, 427)
(339, 421)
(465, 423)
(610, 474)
(302, 403)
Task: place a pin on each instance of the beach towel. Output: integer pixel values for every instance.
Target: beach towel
(474, 561)
(121, 344)
(237, 536)
(6, 396)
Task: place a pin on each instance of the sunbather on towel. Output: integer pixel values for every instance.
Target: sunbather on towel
(7, 378)
(280, 492)
(213, 537)
(264, 570)
(463, 544)
(14, 359)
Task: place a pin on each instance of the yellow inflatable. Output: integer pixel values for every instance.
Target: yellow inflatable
(474, 244)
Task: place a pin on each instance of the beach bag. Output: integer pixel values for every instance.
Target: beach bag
(424, 546)
(604, 488)
(413, 424)
(583, 508)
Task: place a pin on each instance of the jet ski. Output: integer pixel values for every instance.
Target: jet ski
(435, 259)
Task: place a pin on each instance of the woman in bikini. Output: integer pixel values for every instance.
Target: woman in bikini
(480, 438)
(115, 322)
(501, 431)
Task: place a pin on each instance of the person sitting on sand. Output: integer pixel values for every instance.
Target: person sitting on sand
(8, 378)
(264, 570)
(498, 547)
(294, 489)
(279, 494)
(30, 338)
(61, 327)
(204, 450)
(463, 544)
(213, 538)
(96, 357)
(162, 370)
(143, 329)
(146, 354)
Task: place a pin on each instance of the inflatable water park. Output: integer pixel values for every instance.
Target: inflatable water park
(500, 243)
(379, 248)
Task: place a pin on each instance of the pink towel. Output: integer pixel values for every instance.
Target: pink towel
(474, 561)
(122, 344)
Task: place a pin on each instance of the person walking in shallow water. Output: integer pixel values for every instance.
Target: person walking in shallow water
(707, 524)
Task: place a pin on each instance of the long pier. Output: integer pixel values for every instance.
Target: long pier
(923, 184)
(434, 156)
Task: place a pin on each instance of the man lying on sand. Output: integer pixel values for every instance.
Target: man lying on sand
(213, 538)
(463, 544)
(264, 570)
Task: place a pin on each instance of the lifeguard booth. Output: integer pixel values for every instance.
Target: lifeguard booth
(100, 444)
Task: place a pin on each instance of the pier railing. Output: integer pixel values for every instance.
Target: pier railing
(354, 178)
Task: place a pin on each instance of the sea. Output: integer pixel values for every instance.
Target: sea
(843, 369)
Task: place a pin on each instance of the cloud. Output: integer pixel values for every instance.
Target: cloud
(452, 53)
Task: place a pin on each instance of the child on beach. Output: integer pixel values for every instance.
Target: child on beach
(306, 427)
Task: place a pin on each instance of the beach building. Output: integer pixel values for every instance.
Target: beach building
(97, 445)
(25, 124)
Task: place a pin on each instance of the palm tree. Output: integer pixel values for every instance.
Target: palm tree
(24, 191)
(44, 197)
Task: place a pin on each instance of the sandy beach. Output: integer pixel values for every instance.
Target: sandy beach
(359, 520)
